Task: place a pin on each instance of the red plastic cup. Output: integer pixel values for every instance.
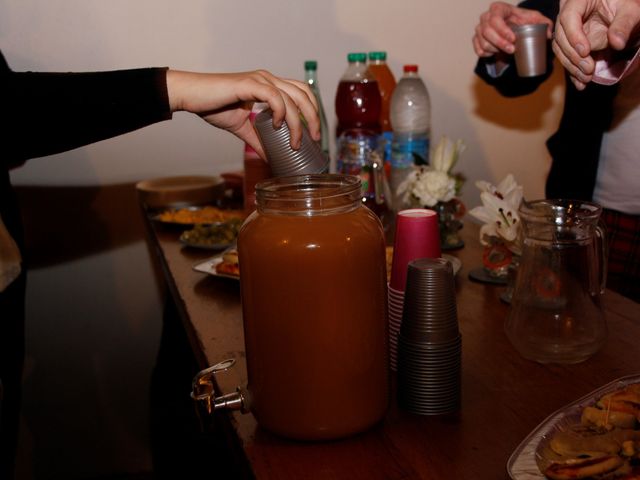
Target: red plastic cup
(417, 236)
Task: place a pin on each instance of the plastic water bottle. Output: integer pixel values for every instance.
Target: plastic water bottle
(411, 121)
(311, 77)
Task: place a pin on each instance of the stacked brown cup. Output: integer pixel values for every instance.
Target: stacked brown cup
(429, 341)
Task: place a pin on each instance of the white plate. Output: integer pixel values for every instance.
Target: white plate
(525, 461)
(209, 266)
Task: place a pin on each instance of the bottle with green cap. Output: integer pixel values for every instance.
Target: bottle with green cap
(386, 83)
(358, 99)
(358, 106)
(311, 77)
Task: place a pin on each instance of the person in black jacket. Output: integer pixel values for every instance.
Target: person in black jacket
(47, 113)
(594, 151)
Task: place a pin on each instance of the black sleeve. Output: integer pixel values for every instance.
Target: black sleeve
(47, 113)
(509, 83)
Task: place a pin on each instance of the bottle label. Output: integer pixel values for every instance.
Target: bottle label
(354, 156)
(384, 142)
(407, 152)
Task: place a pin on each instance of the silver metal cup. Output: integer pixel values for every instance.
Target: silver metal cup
(284, 160)
(531, 49)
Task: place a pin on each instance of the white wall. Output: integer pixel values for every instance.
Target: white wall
(278, 35)
(502, 135)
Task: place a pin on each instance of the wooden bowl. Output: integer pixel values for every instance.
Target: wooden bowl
(180, 191)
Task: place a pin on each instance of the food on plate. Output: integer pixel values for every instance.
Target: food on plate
(626, 400)
(604, 444)
(606, 418)
(581, 441)
(229, 264)
(584, 467)
(193, 215)
(212, 235)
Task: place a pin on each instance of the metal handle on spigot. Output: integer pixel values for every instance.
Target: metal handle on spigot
(203, 392)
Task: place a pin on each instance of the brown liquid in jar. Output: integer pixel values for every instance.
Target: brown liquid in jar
(314, 309)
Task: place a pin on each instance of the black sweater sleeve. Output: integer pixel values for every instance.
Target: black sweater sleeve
(47, 113)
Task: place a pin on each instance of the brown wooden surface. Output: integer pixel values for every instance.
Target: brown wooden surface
(503, 395)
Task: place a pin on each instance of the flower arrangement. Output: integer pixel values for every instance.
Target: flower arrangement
(428, 185)
(499, 212)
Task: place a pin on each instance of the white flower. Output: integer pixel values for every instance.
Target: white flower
(446, 154)
(425, 186)
(499, 212)
(507, 189)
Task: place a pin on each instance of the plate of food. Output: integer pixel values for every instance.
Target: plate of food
(223, 265)
(595, 437)
(197, 215)
(216, 236)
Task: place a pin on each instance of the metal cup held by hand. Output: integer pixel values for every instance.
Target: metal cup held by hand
(531, 49)
(284, 160)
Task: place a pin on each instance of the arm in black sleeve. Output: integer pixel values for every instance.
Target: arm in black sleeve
(508, 83)
(49, 113)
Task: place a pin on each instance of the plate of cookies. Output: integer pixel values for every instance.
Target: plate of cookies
(595, 437)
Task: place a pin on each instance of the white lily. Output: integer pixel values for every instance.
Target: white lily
(446, 154)
(507, 189)
(499, 212)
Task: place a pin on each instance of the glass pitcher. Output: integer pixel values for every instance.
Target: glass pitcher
(555, 314)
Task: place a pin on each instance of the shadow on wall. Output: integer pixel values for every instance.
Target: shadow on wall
(519, 113)
(68, 223)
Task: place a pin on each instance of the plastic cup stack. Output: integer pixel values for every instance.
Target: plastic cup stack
(395, 302)
(416, 236)
(429, 341)
(284, 160)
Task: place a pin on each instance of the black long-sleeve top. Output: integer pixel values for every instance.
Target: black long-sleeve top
(48, 113)
(575, 147)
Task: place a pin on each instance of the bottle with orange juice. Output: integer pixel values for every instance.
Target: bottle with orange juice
(386, 84)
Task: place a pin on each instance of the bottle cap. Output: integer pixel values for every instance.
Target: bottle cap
(410, 68)
(378, 56)
(357, 57)
(310, 65)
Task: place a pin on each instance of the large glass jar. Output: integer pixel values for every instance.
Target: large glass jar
(313, 282)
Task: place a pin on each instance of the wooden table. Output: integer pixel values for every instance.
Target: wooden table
(503, 395)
